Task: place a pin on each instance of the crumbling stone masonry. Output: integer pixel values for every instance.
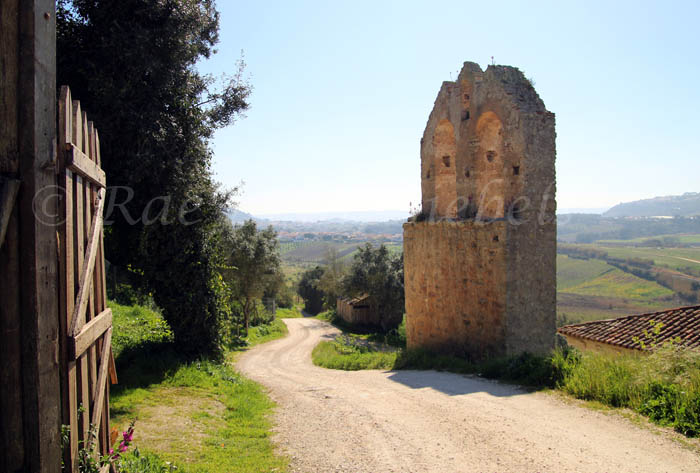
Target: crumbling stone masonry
(480, 258)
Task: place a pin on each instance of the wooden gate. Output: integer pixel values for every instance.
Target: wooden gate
(85, 320)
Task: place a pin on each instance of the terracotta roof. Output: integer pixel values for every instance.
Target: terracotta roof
(683, 322)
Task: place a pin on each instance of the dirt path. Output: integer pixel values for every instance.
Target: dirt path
(426, 421)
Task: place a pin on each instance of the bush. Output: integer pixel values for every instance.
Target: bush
(309, 290)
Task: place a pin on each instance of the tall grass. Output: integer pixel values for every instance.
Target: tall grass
(663, 385)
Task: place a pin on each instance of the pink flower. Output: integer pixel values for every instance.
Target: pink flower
(128, 435)
(122, 447)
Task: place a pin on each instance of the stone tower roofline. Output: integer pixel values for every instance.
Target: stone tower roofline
(482, 144)
(512, 82)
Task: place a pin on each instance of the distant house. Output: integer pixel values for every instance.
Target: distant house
(356, 311)
(620, 335)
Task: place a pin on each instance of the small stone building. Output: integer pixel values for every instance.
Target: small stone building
(356, 311)
(480, 258)
(623, 335)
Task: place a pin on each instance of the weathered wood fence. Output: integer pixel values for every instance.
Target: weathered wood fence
(85, 319)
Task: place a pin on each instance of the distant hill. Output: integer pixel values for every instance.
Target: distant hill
(238, 216)
(686, 205)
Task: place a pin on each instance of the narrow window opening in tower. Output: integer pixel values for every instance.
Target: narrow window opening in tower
(490, 155)
(516, 170)
(516, 211)
(465, 115)
(467, 173)
(427, 176)
(495, 238)
(446, 161)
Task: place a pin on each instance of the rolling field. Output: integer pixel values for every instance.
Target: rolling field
(315, 251)
(615, 283)
(592, 289)
(683, 239)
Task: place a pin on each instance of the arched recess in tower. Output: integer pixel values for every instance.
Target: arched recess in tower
(444, 164)
(490, 184)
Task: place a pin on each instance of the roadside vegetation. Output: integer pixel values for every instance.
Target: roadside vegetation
(663, 385)
(192, 415)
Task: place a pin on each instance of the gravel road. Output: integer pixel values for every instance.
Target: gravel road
(426, 421)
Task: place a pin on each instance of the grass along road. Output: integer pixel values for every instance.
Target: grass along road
(202, 416)
(428, 421)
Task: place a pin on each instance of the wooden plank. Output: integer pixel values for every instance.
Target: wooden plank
(88, 266)
(91, 332)
(8, 193)
(88, 208)
(65, 117)
(113, 369)
(77, 138)
(86, 139)
(80, 163)
(99, 394)
(67, 291)
(82, 362)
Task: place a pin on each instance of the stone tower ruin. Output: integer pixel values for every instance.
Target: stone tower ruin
(480, 258)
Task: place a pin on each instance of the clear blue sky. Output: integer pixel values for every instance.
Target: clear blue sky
(342, 92)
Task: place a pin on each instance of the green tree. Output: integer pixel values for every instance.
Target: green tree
(132, 63)
(254, 264)
(376, 273)
(310, 291)
(331, 282)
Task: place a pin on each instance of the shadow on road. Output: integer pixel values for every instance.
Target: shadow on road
(454, 384)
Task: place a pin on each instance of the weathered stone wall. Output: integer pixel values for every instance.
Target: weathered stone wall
(488, 185)
(455, 280)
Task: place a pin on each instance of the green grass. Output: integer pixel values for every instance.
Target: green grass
(572, 272)
(349, 356)
(285, 313)
(266, 333)
(326, 316)
(200, 415)
(618, 284)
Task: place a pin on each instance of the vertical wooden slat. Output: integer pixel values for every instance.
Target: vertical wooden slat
(67, 268)
(100, 300)
(79, 246)
(89, 208)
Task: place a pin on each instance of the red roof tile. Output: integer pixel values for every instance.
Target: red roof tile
(683, 322)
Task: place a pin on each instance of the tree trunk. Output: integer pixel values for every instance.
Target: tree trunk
(246, 315)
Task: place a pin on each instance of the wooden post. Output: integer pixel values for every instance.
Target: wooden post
(38, 211)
